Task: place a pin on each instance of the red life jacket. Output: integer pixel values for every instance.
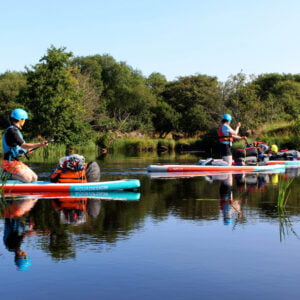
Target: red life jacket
(222, 137)
(63, 175)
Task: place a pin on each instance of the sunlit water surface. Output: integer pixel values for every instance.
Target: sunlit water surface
(184, 237)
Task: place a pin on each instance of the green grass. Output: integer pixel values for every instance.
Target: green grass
(134, 145)
(284, 191)
(278, 128)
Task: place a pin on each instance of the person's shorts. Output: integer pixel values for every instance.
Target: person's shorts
(225, 149)
(14, 167)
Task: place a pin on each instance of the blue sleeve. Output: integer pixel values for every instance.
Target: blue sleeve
(226, 130)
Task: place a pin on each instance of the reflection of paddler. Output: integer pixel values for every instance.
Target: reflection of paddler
(15, 229)
(228, 205)
(226, 198)
(14, 232)
(19, 208)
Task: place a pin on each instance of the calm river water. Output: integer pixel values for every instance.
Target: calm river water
(197, 237)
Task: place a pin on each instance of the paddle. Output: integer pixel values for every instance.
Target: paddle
(35, 148)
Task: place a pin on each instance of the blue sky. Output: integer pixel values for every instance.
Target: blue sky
(174, 37)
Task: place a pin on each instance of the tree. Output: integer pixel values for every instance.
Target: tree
(124, 97)
(157, 83)
(279, 96)
(241, 100)
(53, 99)
(11, 84)
(165, 119)
(198, 93)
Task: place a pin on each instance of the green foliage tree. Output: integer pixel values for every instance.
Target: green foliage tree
(197, 97)
(56, 106)
(279, 96)
(11, 84)
(165, 119)
(67, 97)
(241, 100)
(122, 91)
(288, 97)
(157, 83)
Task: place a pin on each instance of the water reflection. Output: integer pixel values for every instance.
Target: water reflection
(239, 192)
(286, 227)
(56, 220)
(17, 225)
(75, 210)
(63, 223)
(231, 208)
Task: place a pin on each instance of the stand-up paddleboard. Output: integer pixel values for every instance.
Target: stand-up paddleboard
(109, 195)
(187, 174)
(210, 168)
(44, 186)
(287, 163)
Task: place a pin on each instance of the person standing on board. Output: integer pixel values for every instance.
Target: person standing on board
(226, 136)
(14, 147)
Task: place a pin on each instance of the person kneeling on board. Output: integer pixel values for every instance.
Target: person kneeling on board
(14, 147)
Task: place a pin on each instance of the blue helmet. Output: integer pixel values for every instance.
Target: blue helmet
(23, 263)
(228, 221)
(19, 114)
(227, 117)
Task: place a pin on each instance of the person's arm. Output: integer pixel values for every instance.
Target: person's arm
(29, 146)
(13, 139)
(235, 133)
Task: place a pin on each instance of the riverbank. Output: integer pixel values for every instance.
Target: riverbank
(281, 134)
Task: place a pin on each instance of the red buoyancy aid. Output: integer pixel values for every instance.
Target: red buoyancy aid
(222, 137)
(63, 175)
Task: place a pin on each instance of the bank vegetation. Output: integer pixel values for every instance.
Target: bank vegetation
(98, 100)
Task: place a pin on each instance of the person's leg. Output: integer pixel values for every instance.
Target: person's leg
(25, 174)
(19, 171)
(225, 150)
(228, 159)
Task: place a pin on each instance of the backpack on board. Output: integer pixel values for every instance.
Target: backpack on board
(74, 169)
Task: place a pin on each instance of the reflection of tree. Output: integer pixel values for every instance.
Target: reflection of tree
(59, 244)
(116, 219)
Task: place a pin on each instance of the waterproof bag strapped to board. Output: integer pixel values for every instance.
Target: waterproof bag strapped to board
(286, 155)
(73, 168)
(252, 155)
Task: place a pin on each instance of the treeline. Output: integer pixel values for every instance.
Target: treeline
(79, 99)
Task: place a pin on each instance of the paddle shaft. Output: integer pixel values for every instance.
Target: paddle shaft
(35, 148)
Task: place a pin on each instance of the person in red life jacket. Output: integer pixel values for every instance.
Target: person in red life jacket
(226, 136)
(14, 146)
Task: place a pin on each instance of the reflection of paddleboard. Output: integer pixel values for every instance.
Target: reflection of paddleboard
(111, 195)
(210, 168)
(215, 175)
(45, 186)
(287, 163)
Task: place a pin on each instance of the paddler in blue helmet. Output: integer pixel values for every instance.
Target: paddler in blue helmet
(226, 136)
(14, 146)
